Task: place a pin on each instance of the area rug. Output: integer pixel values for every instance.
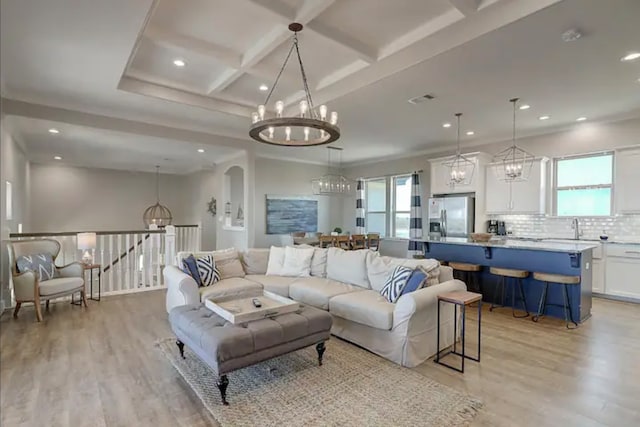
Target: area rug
(352, 388)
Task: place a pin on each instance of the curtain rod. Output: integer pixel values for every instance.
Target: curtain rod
(391, 175)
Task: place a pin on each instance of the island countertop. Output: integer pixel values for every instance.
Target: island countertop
(516, 244)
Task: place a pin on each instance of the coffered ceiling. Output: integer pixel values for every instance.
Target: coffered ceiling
(108, 68)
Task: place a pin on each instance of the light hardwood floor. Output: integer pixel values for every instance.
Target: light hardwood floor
(99, 367)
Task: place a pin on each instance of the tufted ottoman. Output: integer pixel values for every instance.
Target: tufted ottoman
(226, 347)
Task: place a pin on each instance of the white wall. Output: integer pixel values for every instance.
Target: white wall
(14, 167)
(582, 138)
(277, 177)
(74, 199)
(202, 186)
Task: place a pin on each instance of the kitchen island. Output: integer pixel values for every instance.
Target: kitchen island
(572, 259)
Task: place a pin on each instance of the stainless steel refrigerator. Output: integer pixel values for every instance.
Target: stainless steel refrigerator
(451, 215)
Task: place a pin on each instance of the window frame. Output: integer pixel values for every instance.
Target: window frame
(611, 186)
(390, 205)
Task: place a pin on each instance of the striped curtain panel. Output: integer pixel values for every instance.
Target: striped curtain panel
(360, 228)
(415, 217)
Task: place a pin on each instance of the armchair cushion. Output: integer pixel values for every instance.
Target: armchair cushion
(75, 269)
(42, 264)
(60, 285)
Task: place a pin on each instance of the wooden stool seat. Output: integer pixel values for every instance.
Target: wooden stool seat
(557, 278)
(460, 297)
(463, 266)
(509, 272)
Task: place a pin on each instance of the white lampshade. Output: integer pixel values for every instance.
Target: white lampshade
(86, 241)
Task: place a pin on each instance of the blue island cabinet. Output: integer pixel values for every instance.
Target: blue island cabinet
(568, 259)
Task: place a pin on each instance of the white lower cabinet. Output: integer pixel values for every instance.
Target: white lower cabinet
(598, 279)
(623, 271)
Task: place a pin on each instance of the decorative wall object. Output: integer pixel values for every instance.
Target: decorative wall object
(212, 207)
(289, 214)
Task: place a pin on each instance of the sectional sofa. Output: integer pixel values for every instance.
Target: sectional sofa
(347, 284)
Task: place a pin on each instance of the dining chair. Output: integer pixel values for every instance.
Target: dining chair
(343, 242)
(326, 241)
(358, 241)
(373, 241)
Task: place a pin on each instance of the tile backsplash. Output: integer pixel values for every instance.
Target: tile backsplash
(618, 228)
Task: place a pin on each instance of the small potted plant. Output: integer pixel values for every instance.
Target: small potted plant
(336, 231)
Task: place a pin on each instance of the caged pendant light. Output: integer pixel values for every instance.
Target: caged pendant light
(513, 164)
(461, 169)
(333, 183)
(157, 214)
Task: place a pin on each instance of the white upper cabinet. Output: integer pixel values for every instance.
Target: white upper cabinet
(627, 181)
(440, 176)
(525, 197)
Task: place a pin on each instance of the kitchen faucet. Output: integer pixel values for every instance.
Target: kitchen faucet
(575, 226)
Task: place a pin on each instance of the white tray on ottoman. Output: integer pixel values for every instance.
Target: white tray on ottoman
(240, 309)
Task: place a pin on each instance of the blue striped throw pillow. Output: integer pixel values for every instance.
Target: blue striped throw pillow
(395, 283)
(208, 271)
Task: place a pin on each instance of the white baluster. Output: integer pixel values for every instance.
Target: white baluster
(119, 279)
(127, 261)
(135, 270)
(110, 261)
(102, 266)
(170, 245)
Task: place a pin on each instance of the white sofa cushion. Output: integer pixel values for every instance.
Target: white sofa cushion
(276, 261)
(227, 287)
(348, 266)
(255, 261)
(276, 284)
(379, 268)
(317, 291)
(319, 262)
(297, 262)
(366, 307)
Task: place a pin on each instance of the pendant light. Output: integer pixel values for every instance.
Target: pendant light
(157, 214)
(333, 183)
(513, 164)
(461, 169)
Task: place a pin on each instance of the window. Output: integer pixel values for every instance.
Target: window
(402, 205)
(584, 185)
(376, 206)
(388, 206)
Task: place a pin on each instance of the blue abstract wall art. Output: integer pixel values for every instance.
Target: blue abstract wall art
(289, 214)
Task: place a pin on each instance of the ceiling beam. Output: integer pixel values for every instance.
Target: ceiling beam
(466, 7)
(38, 111)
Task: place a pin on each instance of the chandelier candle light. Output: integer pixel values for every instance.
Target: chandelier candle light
(460, 168)
(513, 164)
(333, 183)
(310, 127)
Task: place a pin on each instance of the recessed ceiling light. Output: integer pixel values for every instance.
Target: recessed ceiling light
(525, 106)
(581, 119)
(446, 125)
(631, 57)
(54, 130)
(264, 88)
(200, 150)
(179, 62)
(57, 158)
(470, 132)
(543, 118)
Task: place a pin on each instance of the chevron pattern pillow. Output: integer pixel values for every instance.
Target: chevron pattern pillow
(208, 271)
(395, 283)
(41, 264)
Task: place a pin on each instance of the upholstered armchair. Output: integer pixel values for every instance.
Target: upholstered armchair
(27, 285)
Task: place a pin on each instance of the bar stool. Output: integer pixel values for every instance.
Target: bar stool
(565, 282)
(505, 274)
(469, 273)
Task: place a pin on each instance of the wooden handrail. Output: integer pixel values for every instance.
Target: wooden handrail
(99, 233)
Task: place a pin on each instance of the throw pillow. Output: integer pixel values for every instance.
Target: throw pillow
(207, 270)
(255, 261)
(348, 267)
(396, 283)
(276, 260)
(297, 262)
(416, 281)
(190, 267)
(41, 264)
(228, 263)
(319, 262)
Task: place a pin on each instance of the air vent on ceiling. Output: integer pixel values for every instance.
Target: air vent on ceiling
(423, 98)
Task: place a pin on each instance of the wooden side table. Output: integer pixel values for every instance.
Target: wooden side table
(92, 267)
(462, 299)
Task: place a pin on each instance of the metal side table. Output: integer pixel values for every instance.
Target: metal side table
(462, 299)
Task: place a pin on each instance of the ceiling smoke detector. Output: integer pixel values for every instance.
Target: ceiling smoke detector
(571, 35)
(422, 98)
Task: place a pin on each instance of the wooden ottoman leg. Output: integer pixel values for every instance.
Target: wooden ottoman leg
(222, 384)
(320, 348)
(180, 345)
